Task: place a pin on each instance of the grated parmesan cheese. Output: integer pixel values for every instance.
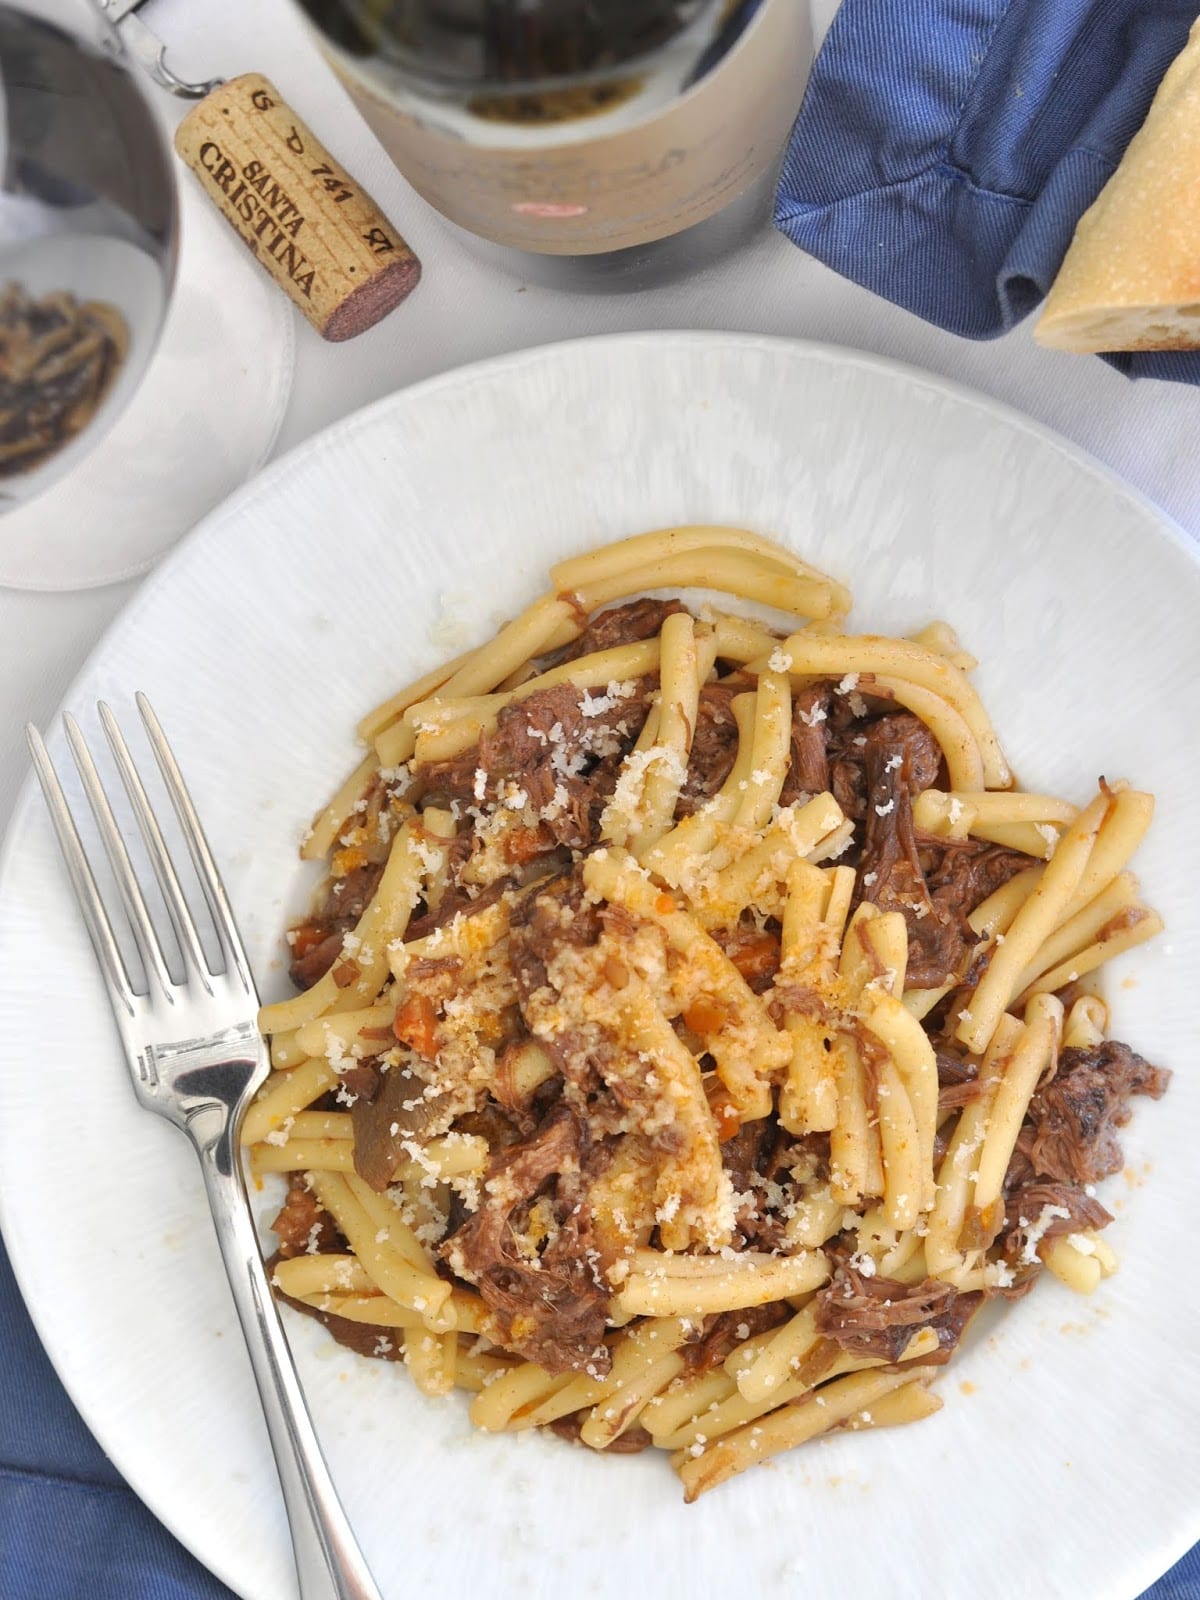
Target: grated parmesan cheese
(1029, 1255)
(627, 795)
(596, 705)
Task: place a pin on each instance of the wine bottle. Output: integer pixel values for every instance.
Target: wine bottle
(583, 130)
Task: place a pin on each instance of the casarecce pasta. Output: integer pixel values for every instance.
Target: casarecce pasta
(695, 1024)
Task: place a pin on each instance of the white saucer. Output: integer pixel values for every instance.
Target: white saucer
(203, 421)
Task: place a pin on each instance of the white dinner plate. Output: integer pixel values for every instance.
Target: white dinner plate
(1066, 1460)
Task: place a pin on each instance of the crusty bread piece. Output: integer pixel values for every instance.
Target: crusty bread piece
(1131, 278)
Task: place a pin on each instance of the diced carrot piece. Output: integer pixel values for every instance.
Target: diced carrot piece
(706, 1015)
(724, 1113)
(306, 938)
(755, 955)
(416, 1025)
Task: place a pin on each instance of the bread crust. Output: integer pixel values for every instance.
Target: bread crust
(1131, 277)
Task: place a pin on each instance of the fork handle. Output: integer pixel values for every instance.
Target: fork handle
(329, 1563)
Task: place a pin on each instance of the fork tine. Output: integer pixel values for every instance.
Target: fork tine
(99, 928)
(144, 932)
(198, 847)
(156, 845)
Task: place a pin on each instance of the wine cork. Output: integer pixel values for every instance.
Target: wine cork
(316, 231)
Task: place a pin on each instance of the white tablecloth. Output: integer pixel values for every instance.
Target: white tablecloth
(466, 309)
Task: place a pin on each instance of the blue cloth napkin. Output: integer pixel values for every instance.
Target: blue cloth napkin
(946, 148)
(70, 1527)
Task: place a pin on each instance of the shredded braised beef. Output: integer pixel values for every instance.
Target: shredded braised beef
(878, 1316)
(1074, 1115)
(562, 748)
(854, 705)
(623, 624)
(760, 1158)
(714, 747)
(900, 758)
(460, 899)
(749, 1159)
(934, 883)
(303, 1227)
(630, 1443)
(1068, 1141)
(317, 944)
(961, 873)
(557, 914)
(360, 1078)
(958, 1080)
(357, 868)
(598, 1074)
(1042, 1210)
(808, 767)
(719, 1335)
(540, 1276)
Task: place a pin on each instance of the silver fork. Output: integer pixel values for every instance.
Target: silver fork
(196, 1058)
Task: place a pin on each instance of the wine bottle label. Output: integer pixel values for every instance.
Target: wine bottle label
(673, 168)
